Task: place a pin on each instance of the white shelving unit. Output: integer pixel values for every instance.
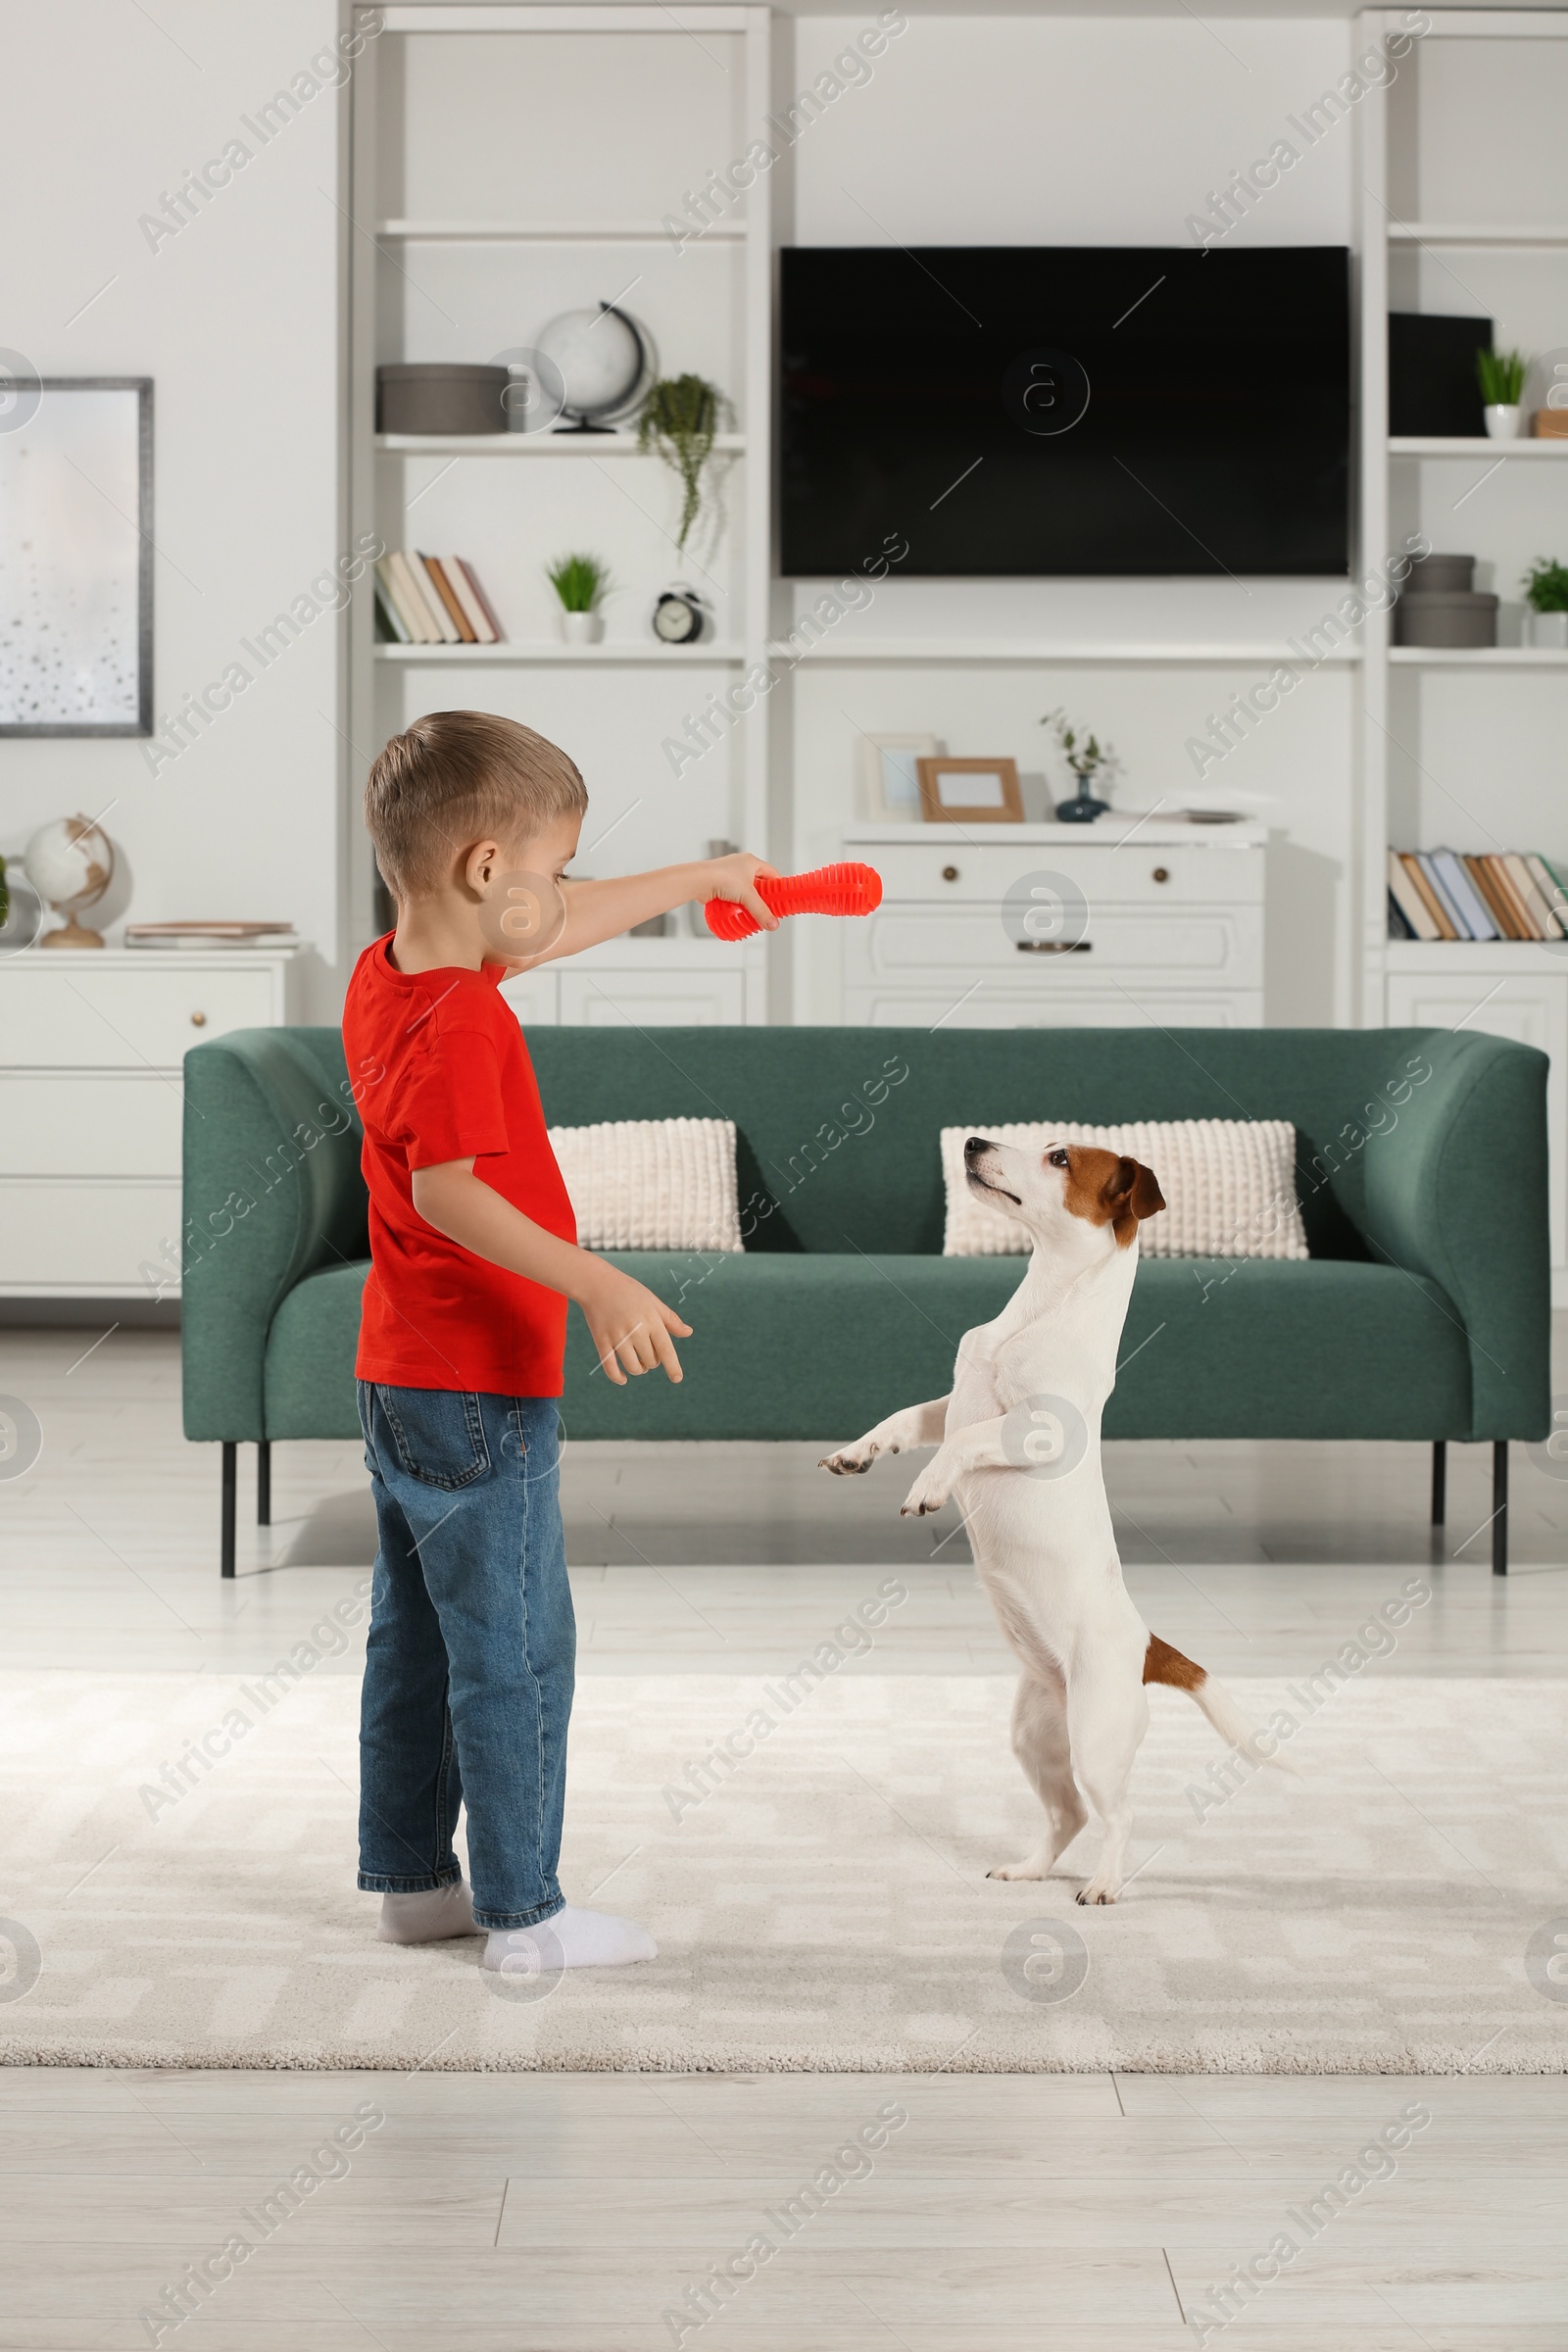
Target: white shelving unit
(451, 106)
(1458, 748)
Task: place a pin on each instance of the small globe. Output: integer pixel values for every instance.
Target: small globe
(70, 863)
(603, 359)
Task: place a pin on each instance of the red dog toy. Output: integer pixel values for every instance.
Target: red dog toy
(830, 890)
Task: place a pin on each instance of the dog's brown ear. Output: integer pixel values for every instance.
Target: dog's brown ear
(1133, 1190)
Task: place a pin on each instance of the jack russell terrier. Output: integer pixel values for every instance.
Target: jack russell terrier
(1018, 1446)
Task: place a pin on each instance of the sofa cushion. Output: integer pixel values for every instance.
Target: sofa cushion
(820, 1346)
(309, 1370)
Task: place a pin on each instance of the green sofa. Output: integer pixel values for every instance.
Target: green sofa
(1422, 1314)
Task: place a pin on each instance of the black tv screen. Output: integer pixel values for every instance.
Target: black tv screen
(1083, 410)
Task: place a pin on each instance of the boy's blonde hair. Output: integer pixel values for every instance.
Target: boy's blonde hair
(449, 779)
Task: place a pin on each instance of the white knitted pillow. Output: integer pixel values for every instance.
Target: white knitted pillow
(651, 1184)
(1229, 1187)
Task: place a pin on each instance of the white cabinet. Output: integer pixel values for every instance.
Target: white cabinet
(92, 1045)
(1515, 990)
(1040, 926)
(644, 984)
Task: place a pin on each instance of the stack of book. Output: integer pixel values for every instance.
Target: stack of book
(1437, 894)
(432, 599)
(221, 932)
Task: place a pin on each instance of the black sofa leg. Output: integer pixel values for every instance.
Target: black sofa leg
(1439, 1482)
(1499, 1508)
(230, 1454)
(264, 1483)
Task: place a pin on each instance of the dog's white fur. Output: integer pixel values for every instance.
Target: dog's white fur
(1043, 1544)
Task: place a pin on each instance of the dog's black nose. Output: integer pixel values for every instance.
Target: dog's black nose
(976, 1143)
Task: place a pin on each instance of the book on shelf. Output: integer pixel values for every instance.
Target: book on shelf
(431, 600)
(1504, 893)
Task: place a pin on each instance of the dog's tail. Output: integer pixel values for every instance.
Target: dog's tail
(1163, 1664)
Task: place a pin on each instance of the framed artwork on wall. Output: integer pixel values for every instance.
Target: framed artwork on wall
(76, 553)
(890, 773)
(970, 792)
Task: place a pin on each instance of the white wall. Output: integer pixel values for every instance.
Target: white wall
(236, 320)
(1076, 130)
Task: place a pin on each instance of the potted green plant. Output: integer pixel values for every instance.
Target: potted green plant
(1546, 595)
(680, 420)
(1502, 376)
(581, 582)
(1088, 758)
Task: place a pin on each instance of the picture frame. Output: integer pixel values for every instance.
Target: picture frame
(970, 792)
(76, 556)
(890, 777)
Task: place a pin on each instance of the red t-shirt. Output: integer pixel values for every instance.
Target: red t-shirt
(440, 1072)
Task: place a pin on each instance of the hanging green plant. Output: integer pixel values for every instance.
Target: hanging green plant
(680, 419)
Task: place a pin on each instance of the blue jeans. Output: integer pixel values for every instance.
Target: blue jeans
(468, 1669)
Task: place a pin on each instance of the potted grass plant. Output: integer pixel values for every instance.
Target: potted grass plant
(1546, 595)
(1502, 376)
(581, 582)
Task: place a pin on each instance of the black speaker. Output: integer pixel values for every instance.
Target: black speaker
(1432, 373)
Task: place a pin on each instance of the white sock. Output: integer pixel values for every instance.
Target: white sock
(572, 1938)
(427, 1918)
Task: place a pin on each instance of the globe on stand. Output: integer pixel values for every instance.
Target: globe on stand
(606, 361)
(70, 863)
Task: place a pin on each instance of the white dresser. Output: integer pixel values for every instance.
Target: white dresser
(646, 984)
(92, 1045)
(1012, 926)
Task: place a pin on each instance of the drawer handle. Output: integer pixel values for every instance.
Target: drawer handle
(950, 873)
(1161, 873)
(1055, 947)
(198, 1020)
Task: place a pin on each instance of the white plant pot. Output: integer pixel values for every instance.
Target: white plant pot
(1549, 629)
(582, 628)
(1503, 420)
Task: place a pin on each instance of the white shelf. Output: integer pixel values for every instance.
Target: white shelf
(530, 445)
(547, 650)
(1478, 955)
(1122, 825)
(1449, 232)
(549, 232)
(987, 648)
(1462, 445)
(1479, 656)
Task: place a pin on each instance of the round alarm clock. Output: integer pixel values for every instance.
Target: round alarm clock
(680, 617)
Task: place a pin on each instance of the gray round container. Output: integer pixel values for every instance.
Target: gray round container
(1442, 575)
(1446, 620)
(440, 397)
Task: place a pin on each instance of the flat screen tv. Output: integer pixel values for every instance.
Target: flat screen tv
(1017, 409)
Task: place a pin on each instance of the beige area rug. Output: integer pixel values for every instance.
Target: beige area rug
(825, 1907)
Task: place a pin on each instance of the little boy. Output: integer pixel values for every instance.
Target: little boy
(470, 1664)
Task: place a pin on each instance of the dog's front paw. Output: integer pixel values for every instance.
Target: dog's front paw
(1035, 1867)
(1098, 1891)
(928, 1494)
(850, 1460)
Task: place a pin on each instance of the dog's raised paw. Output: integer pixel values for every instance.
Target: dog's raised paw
(1016, 1870)
(850, 1462)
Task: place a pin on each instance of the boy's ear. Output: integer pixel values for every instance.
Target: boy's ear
(481, 865)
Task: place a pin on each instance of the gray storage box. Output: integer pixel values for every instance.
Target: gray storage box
(1442, 575)
(1446, 620)
(440, 397)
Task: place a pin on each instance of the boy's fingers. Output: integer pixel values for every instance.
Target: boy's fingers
(608, 1366)
(673, 1321)
(666, 1353)
(759, 906)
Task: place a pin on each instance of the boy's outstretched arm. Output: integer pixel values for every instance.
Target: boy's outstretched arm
(628, 1325)
(597, 910)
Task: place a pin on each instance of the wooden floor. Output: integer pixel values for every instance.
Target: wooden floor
(584, 2214)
